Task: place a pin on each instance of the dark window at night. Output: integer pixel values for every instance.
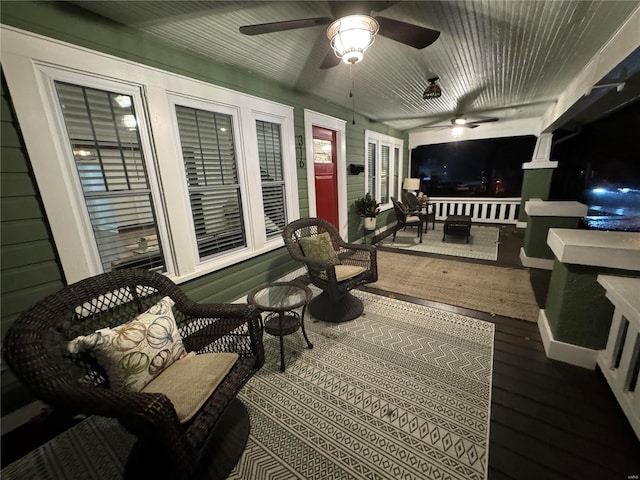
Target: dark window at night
(491, 167)
(599, 165)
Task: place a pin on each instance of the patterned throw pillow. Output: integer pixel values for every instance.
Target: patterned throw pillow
(319, 249)
(135, 353)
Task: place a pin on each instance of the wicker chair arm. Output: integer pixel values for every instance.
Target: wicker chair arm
(203, 331)
(216, 310)
(106, 402)
(358, 246)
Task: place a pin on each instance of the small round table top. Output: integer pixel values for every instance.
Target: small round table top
(280, 296)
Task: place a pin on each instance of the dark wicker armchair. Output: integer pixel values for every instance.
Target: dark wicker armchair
(36, 350)
(408, 218)
(356, 265)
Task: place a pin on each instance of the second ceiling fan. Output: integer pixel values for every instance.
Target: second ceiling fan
(352, 29)
(460, 121)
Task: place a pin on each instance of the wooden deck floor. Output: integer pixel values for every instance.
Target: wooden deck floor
(549, 420)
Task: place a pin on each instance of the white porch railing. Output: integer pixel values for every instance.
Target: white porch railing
(620, 361)
(481, 210)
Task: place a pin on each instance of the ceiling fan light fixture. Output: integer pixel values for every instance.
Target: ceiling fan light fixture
(457, 131)
(350, 36)
(459, 121)
(433, 89)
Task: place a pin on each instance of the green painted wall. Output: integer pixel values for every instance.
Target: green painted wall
(536, 183)
(30, 267)
(577, 309)
(535, 237)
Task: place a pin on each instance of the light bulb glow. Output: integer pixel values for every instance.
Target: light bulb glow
(129, 121)
(123, 101)
(351, 35)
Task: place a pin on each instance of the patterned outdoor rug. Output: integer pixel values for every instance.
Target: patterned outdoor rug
(404, 391)
(483, 243)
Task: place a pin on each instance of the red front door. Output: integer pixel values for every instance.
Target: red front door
(325, 173)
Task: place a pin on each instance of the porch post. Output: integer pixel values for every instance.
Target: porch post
(542, 216)
(536, 181)
(574, 325)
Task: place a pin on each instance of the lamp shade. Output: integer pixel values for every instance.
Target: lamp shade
(411, 184)
(432, 90)
(351, 35)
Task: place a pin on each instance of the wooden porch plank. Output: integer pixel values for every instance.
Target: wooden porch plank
(536, 451)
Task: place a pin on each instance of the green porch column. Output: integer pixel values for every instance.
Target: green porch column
(574, 325)
(536, 181)
(543, 216)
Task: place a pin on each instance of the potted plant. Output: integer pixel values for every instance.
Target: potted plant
(368, 209)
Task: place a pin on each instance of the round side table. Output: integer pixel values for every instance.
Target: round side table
(280, 299)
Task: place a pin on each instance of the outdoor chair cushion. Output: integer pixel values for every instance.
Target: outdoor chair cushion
(189, 382)
(134, 353)
(345, 272)
(319, 249)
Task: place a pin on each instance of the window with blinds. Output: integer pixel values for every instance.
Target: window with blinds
(383, 167)
(371, 169)
(384, 175)
(395, 193)
(272, 177)
(102, 129)
(209, 156)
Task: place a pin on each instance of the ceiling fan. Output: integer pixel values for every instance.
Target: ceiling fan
(353, 21)
(459, 123)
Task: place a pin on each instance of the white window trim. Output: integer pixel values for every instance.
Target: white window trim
(380, 139)
(27, 60)
(317, 119)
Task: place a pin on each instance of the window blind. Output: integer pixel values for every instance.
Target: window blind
(384, 174)
(371, 164)
(210, 164)
(396, 173)
(272, 177)
(102, 129)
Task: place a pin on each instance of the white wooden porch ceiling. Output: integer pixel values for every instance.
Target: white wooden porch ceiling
(509, 59)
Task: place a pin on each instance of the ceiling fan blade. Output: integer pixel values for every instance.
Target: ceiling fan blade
(407, 33)
(285, 25)
(330, 61)
(484, 120)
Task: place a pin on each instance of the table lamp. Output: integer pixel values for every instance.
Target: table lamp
(411, 184)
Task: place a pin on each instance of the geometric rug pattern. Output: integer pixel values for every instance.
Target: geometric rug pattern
(404, 391)
(483, 242)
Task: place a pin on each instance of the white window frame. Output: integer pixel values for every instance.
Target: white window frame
(31, 63)
(380, 140)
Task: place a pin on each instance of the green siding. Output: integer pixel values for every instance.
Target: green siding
(535, 184)
(30, 267)
(577, 309)
(535, 237)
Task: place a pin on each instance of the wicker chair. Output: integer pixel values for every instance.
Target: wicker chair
(35, 348)
(335, 304)
(407, 218)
